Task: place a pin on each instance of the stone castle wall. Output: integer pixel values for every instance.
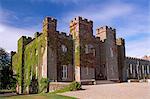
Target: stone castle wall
(79, 56)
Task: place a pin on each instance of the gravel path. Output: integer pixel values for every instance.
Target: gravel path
(113, 91)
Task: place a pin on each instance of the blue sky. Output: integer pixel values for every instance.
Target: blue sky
(131, 18)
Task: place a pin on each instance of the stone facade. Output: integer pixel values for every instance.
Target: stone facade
(109, 58)
(137, 68)
(79, 56)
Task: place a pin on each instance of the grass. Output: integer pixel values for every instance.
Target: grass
(38, 96)
(52, 95)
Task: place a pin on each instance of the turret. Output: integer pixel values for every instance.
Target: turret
(49, 24)
(106, 32)
(80, 27)
(120, 41)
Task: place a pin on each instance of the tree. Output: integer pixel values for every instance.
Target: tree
(6, 75)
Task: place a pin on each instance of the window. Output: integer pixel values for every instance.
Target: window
(89, 49)
(111, 52)
(86, 49)
(64, 72)
(133, 71)
(87, 71)
(143, 69)
(147, 69)
(64, 48)
(137, 70)
(130, 68)
(137, 67)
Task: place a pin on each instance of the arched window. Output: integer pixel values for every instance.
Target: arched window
(64, 48)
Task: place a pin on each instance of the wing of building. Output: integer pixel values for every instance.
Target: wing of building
(79, 56)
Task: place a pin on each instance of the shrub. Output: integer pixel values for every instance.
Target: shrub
(71, 87)
(74, 86)
(43, 84)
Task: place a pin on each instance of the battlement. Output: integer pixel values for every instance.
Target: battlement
(12, 53)
(25, 40)
(146, 57)
(36, 34)
(49, 24)
(50, 19)
(81, 20)
(97, 38)
(120, 41)
(28, 39)
(64, 35)
(105, 28)
(138, 59)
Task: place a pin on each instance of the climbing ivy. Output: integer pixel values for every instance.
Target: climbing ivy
(26, 60)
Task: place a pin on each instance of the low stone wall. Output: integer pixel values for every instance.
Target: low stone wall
(57, 85)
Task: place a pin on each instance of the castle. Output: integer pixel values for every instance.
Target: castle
(79, 56)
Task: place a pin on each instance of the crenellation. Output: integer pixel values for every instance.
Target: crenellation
(49, 25)
(13, 53)
(83, 55)
(63, 33)
(36, 34)
(104, 28)
(50, 19)
(81, 20)
(140, 59)
(120, 41)
(98, 38)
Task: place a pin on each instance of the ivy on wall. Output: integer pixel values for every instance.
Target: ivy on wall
(29, 57)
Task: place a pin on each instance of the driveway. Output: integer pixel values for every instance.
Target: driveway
(113, 91)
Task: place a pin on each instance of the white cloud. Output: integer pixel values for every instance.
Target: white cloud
(5, 15)
(132, 22)
(138, 48)
(101, 14)
(10, 35)
(104, 13)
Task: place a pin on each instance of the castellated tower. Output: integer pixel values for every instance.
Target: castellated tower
(49, 29)
(121, 59)
(49, 24)
(84, 59)
(109, 58)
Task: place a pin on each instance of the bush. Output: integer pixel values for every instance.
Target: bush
(71, 87)
(74, 86)
(43, 84)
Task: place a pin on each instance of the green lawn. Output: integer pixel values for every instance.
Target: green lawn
(38, 96)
